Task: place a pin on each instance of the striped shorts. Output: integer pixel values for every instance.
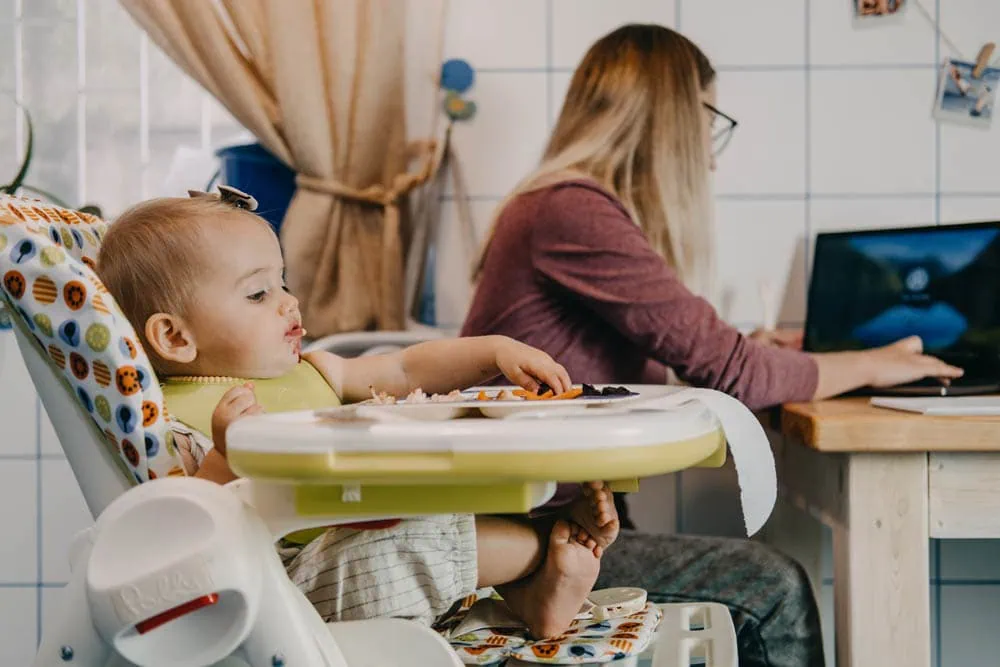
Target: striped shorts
(416, 569)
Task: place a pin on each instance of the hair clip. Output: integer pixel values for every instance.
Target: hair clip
(237, 198)
(229, 195)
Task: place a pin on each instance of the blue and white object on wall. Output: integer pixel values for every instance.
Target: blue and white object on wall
(457, 77)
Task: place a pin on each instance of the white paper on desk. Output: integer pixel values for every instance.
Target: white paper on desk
(748, 445)
(967, 406)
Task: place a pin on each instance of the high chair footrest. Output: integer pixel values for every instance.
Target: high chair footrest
(697, 630)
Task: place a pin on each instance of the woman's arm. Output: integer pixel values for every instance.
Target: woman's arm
(440, 366)
(586, 246)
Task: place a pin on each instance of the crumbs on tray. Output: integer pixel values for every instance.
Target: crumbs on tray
(416, 396)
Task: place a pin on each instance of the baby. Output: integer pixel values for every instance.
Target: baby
(201, 281)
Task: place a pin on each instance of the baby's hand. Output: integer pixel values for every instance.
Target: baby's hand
(529, 367)
(236, 403)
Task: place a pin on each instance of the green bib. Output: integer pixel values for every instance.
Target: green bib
(193, 400)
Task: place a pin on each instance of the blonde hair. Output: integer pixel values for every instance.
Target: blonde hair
(153, 254)
(634, 123)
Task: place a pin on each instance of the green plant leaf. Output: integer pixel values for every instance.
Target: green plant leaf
(14, 185)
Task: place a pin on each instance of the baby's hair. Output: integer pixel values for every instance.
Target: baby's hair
(153, 254)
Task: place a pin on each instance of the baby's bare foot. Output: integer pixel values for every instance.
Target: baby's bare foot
(550, 599)
(595, 512)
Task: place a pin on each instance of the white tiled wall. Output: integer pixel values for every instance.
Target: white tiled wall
(835, 131)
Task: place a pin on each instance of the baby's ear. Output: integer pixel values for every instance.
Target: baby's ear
(171, 338)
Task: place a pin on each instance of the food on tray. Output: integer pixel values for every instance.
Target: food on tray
(592, 392)
(415, 396)
(544, 393)
(548, 394)
(418, 396)
(583, 391)
(502, 395)
(381, 398)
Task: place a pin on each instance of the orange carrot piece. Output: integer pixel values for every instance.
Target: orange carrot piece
(532, 396)
(482, 396)
(567, 395)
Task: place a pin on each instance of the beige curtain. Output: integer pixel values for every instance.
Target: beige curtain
(321, 85)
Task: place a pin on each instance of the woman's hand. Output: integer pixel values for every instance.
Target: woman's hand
(235, 404)
(899, 363)
(785, 338)
(904, 361)
(529, 367)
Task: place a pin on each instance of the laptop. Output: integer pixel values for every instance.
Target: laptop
(942, 283)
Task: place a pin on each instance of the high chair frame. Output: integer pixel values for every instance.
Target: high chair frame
(207, 587)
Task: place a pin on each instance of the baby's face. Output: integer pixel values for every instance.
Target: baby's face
(245, 323)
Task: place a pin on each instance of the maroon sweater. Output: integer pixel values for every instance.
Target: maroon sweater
(569, 272)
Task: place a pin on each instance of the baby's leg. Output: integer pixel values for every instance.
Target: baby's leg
(595, 512)
(549, 599)
(508, 549)
(415, 570)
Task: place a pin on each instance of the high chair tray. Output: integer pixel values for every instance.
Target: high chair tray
(546, 442)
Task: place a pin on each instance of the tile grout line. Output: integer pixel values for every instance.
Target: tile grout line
(32, 457)
(843, 67)
(807, 144)
(8, 585)
(679, 477)
(81, 101)
(549, 60)
(38, 466)
(38, 520)
(936, 618)
(144, 111)
(937, 124)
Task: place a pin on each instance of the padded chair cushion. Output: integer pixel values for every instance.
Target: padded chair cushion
(78, 233)
(47, 257)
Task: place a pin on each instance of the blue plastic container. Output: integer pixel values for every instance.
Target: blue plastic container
(254, 170)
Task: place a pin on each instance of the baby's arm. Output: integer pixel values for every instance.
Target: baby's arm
(440, 366)
(215, 468)
(236, 403)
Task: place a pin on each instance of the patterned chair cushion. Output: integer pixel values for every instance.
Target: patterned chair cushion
(78, 233)
(47, 280)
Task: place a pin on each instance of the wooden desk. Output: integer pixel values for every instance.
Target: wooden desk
(885, 482)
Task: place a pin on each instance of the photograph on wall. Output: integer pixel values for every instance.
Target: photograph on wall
(963, 98)
(877, 11)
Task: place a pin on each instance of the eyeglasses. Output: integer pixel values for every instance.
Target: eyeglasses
(722, 129)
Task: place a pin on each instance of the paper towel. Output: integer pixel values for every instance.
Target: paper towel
(748, 445)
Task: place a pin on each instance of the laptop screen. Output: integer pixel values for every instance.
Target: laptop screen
(872, 288)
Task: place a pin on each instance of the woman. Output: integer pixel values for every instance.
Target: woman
(598, 258)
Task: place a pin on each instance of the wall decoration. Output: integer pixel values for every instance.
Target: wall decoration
(878, 11)
(965, 98)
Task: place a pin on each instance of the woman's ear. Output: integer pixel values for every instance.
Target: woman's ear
(171, 338)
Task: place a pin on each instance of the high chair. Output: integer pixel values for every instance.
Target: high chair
(179, 571)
